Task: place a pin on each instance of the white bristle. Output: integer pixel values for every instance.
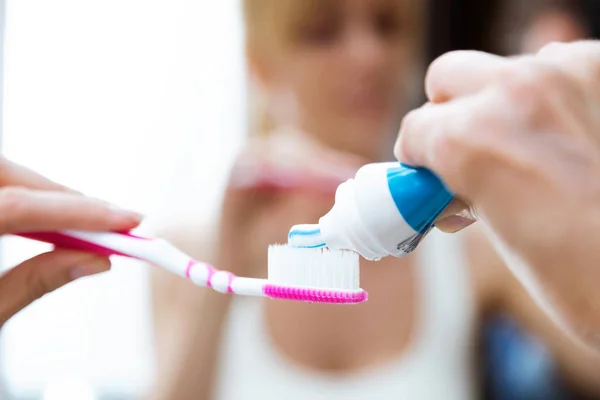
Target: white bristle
(318, 268)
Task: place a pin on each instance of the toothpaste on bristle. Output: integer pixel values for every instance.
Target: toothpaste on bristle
(306, 236)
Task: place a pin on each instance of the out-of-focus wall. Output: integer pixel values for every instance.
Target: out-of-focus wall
(139, 102)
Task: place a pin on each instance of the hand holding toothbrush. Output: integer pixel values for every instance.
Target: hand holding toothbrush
(30, 202)
(519, 141)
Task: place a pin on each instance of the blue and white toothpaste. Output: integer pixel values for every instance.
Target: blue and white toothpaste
(385, 210)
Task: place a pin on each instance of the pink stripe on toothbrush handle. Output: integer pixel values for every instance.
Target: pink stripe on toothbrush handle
(211, 271)
(67, 242)
(188, 269)
(230, 277)
(131, 235)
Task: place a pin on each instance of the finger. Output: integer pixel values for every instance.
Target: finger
(13, 174)
(460, 73)
(24, 210)
(422, 130)
(34, 278)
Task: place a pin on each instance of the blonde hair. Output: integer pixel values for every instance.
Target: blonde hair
(270, 26)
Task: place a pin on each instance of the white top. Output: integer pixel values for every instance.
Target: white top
(438, 365)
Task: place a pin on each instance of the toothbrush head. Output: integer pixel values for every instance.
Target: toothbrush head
(314, 275)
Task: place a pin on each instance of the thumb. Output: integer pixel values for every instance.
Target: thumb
(42, 274)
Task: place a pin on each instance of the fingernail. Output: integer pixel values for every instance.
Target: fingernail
(469, 213)
(453, 224)
(126, 214)
(455, 208)
(94, 267)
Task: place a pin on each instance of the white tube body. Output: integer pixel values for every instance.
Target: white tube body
(385, 210)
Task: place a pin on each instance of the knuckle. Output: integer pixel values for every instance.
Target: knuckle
(528, 76)
(451, 159)
(489, 122)
(468, 145)
(519, 89)
(450, 151)
(530, 87)
(448, 142)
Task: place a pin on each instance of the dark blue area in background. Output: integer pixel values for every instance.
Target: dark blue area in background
(517, 366)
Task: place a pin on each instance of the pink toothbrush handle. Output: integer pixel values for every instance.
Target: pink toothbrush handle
(64, 241)
(154, 251)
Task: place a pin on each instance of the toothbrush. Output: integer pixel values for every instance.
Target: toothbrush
(301, 274)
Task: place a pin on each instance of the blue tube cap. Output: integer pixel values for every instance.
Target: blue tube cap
(419, 195)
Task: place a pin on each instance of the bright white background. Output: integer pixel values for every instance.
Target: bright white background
(127, 100)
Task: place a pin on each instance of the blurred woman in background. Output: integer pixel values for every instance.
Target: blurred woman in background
(334, 77)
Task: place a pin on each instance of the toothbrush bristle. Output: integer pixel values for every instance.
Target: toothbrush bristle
(316, 275)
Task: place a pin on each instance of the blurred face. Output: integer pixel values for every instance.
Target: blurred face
(340, 79)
